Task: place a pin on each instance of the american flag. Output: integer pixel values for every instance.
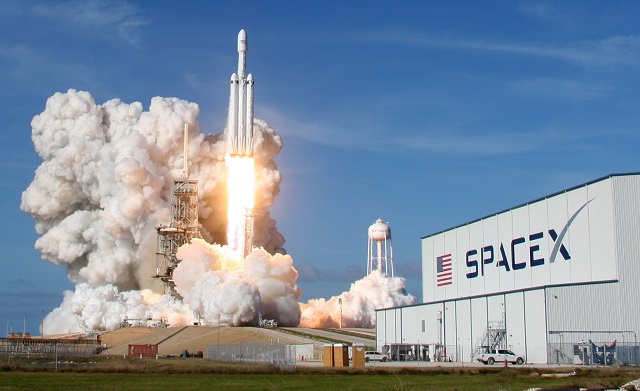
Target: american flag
(443, 266)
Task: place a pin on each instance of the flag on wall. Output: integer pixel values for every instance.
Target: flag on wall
(443, 270)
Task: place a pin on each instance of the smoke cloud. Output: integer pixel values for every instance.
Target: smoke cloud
(356, 308)
(105, 184)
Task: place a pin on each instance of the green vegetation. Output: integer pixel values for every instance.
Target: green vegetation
(102, 373)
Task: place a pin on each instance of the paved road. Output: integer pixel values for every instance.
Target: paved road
(431, 364)
(347, 338)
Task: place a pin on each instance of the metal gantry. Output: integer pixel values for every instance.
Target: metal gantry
(184, 227)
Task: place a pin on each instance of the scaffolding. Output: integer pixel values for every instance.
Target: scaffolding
(248, 232)
(493, 338)
(183, 228)
(184, 224)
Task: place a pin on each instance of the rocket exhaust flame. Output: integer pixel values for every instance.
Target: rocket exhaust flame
(105, 184)
(241, 191)
(240, 164)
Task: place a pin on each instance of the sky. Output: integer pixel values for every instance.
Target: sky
(424, 114)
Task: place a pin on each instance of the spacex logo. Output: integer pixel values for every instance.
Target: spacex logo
(504, 256)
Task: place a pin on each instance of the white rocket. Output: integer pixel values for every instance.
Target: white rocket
(239, 130)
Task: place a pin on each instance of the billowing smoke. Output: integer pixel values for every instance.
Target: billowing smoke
(356, 308)
(105, 308)
(105, 184)
(218, 284)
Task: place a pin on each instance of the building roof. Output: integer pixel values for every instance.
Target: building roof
(534, 201)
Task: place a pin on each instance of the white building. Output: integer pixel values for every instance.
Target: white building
(555, 279)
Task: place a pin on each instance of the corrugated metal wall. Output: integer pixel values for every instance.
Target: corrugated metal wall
(606, 306)
(535, 317)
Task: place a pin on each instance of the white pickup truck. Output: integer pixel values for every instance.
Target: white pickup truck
(500, 356)
(370, 355)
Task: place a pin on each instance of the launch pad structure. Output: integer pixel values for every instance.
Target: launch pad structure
(184, 225)
(248, 232)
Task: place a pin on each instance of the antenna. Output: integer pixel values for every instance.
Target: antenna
(185, 170)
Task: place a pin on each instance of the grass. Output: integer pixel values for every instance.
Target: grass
(101, 373)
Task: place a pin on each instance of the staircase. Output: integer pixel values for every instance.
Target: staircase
(493, 338)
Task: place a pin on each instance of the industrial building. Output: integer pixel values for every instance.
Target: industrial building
(555, 279)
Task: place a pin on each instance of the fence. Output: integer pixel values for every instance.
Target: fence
(45, 348)
(283, 356)
(593, 347)
(593, 353)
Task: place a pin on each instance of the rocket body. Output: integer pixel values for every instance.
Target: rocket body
(239, 132)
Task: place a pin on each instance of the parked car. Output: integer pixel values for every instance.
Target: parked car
(371, 355)
(501, 355)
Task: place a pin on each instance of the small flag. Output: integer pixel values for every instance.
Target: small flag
(443, 270)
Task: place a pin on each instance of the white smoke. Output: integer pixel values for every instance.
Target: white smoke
(105, 308)
(357, 307)
(105, 184)
(226, 289)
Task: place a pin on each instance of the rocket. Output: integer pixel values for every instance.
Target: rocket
(239, 132)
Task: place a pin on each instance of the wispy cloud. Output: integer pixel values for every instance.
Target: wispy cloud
(314, 132)
(614, 50)
(119, 18)
(568, 89)
(450, 141)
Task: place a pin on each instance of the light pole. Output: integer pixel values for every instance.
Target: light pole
(340, 304)
(218, 349)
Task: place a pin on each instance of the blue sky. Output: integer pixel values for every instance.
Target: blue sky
(424, 114)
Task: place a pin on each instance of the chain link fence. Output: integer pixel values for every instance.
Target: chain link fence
(46, 347)
(593, 353)
(282, 356)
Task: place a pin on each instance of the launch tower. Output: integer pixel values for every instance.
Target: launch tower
(380, 249)
(183, 227)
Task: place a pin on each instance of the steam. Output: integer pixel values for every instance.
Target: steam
(359, 304)
(105, 184)
(216, 283)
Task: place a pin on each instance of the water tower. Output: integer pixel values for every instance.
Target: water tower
(380, 252)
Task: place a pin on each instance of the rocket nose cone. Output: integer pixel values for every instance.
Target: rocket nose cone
(242, 41)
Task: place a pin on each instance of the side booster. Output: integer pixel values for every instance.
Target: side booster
(239, 132)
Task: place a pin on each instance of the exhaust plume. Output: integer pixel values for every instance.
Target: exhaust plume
(105, 184)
